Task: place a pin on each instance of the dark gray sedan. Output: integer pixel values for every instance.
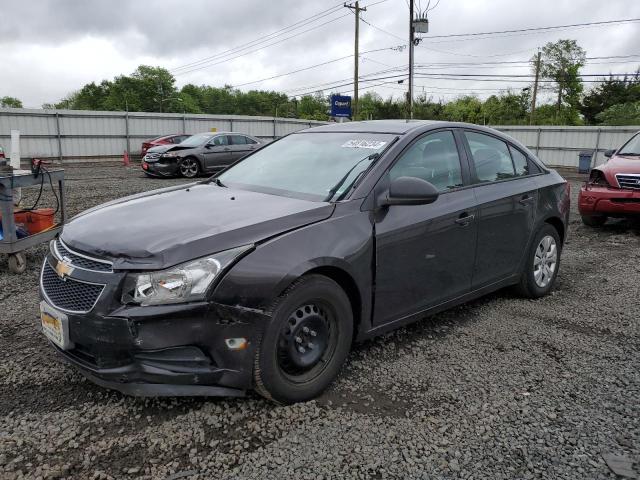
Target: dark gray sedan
(262, 276)
(200, 153)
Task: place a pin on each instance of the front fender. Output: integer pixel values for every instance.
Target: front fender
(344, 241)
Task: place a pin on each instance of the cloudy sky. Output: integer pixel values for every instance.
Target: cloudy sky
(49, 48)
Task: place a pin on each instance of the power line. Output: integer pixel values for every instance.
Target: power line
(262, 47)
(476, 34)
(264, 38)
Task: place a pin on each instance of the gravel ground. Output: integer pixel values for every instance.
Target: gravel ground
(500, 388)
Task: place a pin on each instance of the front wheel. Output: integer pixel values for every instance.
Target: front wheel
(306, 342)
(594, 220)
(542, 263)
(189, 167)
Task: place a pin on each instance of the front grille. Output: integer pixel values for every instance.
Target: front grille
(629, 180)
(69, 294)
(81, 261)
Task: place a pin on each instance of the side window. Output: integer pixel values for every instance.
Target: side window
(520, 162)
(220, 140)
(433, 158)
(249, 141)
(490, 156)
(238, 140)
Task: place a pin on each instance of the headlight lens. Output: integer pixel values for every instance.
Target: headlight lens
(170, 155)
(183, 283)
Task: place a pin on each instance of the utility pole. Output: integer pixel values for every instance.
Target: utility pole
(411, 40)
(356, 10)
(535, 88)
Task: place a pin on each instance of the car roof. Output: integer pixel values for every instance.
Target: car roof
(398, 127)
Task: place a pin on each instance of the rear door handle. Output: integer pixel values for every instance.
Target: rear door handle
(526, 200)
(465, 219)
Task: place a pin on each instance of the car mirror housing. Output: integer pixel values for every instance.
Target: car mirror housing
(410, 191)
(609, 153)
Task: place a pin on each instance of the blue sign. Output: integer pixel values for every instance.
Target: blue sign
(340, 106)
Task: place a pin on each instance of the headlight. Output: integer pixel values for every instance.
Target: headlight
(183, 283)
(170, 155)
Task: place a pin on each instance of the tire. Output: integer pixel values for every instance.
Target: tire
(536, 281)
(17, 263)
(314, 315)
(594, 220)
(189, 167)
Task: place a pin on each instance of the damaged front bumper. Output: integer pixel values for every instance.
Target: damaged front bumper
(600, 200)
(160, 167)
(192, 349)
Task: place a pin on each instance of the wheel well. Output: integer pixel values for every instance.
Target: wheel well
(558, 225)
(347, 283)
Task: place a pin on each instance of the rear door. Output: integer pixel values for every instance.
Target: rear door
(217, 153)
(241, 145)
(425, 253)
(507, 197)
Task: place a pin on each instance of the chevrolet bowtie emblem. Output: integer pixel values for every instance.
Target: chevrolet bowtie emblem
(63, 269)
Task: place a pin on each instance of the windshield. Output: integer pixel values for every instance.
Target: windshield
(197, 140)
(632, 147)
(313, 166)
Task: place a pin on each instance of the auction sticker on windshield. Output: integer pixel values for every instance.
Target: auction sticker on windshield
(371, 144)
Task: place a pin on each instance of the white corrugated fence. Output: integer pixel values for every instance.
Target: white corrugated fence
(86, 135)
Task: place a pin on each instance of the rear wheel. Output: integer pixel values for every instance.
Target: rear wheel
(189, 167)
(542, 263)
(594, 220)
(306, 343)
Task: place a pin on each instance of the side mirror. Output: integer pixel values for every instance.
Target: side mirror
(410, 191)
(609, 153)
(209, 145)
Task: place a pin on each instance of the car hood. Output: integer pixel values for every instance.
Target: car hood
(619, 164)
(160, 148)
(166, 227)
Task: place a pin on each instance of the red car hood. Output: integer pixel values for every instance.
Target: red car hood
(620, 164)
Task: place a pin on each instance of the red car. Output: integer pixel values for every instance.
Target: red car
(164, 140)
(613, 189)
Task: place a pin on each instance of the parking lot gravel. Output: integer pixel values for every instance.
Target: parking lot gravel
(500, 388)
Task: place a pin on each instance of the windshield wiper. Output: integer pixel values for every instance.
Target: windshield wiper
(336, 187)
(218, 182)
(632, 154)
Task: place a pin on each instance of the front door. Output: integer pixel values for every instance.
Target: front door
(425, 253)
(507, 197)
(218, 153)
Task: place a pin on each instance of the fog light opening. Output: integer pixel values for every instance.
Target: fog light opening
(236, 343)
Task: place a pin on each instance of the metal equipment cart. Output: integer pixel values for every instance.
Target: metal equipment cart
(10, 243)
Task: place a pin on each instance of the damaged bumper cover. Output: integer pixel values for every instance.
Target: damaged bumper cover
(608, 201)
(169, 350)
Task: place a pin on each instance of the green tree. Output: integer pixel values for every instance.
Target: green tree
(610, 92)
(464, 109)
(506, 109)
(621, 114)
(10, 102)
(561, 62)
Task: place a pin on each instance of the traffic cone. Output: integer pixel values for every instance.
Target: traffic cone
(125, 159)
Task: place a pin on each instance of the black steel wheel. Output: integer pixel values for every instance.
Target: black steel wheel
(189, 167)
(307, 341)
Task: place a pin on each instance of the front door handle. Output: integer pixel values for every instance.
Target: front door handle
(526, 200)
(465, 219)
(227, 149)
